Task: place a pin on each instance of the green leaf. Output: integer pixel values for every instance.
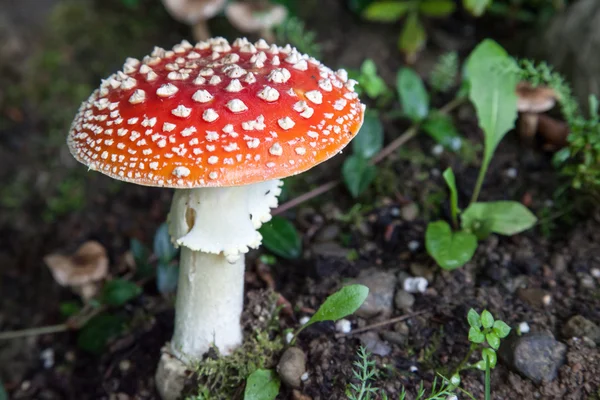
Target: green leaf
(493, 340)
(451, 182)
(413, 36)
(387, 11)
(474, 319)
(358, 174)
(487, 320)
(262, 384)
(476, 7)
(166, 277)
(501, 217)
(94, 336)
(141, 254)
(413, 95)
(501, 329)
(491, 356)
(3, 394)
(69, 308)
(449, 249)
(340, 304)
(441, 129)
(281, 237)
(369, 139)
(119, 291)
(437, 8)
(370, 81)
(492, 91)
(476, 336)
(163, 248)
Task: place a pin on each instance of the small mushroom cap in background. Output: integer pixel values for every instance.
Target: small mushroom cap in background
(249, 18)
(537, 99)
(216, 114)
(192, 11)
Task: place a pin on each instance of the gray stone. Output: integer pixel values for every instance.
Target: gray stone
(328, 233)
(404, 300)
(537, 356)
(380, 300)
(372, 342)
(409, 212)
(579, 326)
(394, 337)
(330, 250)
(292, 366)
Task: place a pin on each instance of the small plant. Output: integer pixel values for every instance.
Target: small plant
(370, 83)
(444, 73)
(413, 35)
(492, 91)
(293, 31)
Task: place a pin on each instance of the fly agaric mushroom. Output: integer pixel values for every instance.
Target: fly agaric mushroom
(256, 17)
(532, 101)
(221, 124)
(195, 13)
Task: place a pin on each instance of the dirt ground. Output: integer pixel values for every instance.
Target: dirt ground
(50, 204)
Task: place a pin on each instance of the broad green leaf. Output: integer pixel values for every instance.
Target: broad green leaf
(449, 249)
(368, 80)
(492, 92)
(119, 291)
(501, 329)
(166, 277)
(94, 336)
(474, 319)
(369, 139)
(413, 36)
(491, 356)
(163, 248)
(262, 384)
(412, 94)
(493, 340)
(476, 336)
(476, 7)
(358, 174)
(501, 217)
(387, 11)
(340, 304)
(441, 129)
(487, 320)
(451, 182)
(437, 8)
(281, 237)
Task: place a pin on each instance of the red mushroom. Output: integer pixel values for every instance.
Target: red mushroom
(221, 124)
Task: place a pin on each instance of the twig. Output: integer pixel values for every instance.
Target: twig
(382, 323)
(410, 133)
(34, 331)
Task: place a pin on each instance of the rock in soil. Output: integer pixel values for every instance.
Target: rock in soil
(292, 366)
(404, 300)
(372, 342)
(578, 326)
(379, 302)
(537, 356)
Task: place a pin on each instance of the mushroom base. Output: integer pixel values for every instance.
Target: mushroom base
(209, 305)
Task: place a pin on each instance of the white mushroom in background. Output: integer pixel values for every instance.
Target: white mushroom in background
(195, 13)
(259, 17)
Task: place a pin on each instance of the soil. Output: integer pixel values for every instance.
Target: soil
(507, 275)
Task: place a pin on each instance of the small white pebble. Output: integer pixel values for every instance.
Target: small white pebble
(511, 173)
(304, 320)
(413, 369)
(452, 397)
(289, 336)
(413, 245)
(47, 357)
(595, 272)
(304, 377)
(523, 327)
(415, 285)
(437, 149)
(343, 326)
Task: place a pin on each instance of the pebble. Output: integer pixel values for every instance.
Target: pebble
(523, 328)
(437, 150)
(304, 320)
(380, 300)
(425, 271)
(292, 366)
(297, 395)
(47, 357)
(414, 245)
(343, 326)
(328, 233)
(595, 272)
(537, 356)
(535, 297)
(404, 300)
(289, 336)
(415, 285)
(409, 212)
(372, 342)
(559, 263)
(394, 337)
(579, 326)
(512, 173)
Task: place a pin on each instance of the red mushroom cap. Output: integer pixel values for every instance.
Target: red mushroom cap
(216, 114)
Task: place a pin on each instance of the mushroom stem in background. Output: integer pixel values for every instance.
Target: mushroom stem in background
(200, 31)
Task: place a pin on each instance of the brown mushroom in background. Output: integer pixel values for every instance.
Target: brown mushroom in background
(531, 102)
(553, 133)
(256, 17)
(195, 13)
(82, 271)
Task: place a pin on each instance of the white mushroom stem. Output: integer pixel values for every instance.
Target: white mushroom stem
(215, 227)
